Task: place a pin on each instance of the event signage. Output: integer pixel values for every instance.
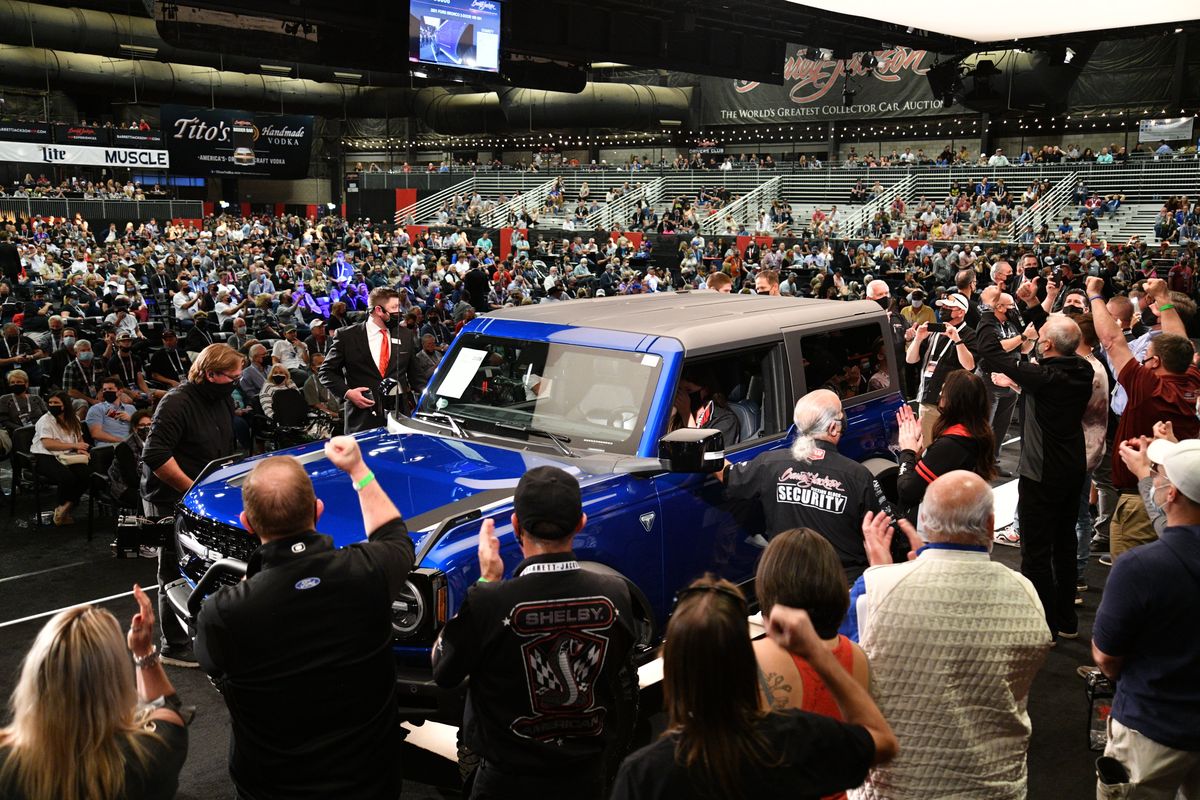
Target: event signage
(12, 131)
(205, 141)
(1165, 130)
(813, 90)
(82, 134)
(126, 138)
(32, 153)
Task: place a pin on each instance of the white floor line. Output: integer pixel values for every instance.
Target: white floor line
(147, 589)
(1011, 441)
(42, 571)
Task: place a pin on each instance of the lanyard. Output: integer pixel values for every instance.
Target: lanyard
(173, 356)
(127, 375)
(86, 380)
(968, 548)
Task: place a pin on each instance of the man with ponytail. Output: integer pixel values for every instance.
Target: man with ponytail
(812, 485)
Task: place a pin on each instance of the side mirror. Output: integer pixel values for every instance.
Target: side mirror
(692, 450)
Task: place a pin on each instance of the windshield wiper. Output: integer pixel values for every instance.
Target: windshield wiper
(559, 440)
(450, 419)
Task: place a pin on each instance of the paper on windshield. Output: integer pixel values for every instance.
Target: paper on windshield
(459, 377)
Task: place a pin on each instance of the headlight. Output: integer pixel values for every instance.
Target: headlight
(408, 611)
(422, 607)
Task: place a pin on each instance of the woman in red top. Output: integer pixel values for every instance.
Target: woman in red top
(800, 569)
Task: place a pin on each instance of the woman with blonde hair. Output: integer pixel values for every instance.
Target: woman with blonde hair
(278, 379)
(82, 727)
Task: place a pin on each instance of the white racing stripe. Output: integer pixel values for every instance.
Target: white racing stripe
(147, 589)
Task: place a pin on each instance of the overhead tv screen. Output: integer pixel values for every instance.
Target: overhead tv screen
(455, 34)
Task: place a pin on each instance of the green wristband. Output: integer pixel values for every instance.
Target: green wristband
(362, 482)
(482, 580)
(1166, 307)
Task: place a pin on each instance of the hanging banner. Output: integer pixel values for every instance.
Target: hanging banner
(90, 156)
(813, 91)
(205, 141)
(1165, 130)
(12, 131)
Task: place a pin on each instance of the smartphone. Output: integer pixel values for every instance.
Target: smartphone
(367, 395)
(936, 327)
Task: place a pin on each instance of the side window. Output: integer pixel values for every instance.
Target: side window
(850, 361)
(736, 393)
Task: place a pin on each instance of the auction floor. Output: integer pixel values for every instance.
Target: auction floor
(47, 569)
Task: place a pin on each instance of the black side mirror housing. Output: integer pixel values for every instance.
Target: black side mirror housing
(692, 450)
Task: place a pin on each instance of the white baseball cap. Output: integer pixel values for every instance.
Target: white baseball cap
(1181, 463)
(955, 300)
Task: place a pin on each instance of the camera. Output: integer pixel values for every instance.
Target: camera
(935, 327)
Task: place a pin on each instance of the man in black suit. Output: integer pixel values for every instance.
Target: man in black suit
(363, 355)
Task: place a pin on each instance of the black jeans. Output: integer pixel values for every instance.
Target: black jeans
(1048, 511)
(174, 635)
(492, 784)
(71, 480)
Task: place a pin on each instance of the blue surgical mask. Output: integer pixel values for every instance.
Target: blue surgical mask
(86, 356)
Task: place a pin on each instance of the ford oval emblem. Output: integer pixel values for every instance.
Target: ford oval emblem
(307, 583)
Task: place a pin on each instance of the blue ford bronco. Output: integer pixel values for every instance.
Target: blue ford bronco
(589, 387)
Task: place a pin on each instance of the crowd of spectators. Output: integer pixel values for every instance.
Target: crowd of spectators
(82, 188)
(101, 324)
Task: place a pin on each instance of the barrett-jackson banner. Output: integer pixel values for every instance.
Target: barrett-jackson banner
(82, 134)
(207, 141)
(24, 131)
(32, 153)
(812, 90)
(126, 138)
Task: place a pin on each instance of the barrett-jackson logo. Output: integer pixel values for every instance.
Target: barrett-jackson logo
(81, 131)
(197, 130)
(813, 79)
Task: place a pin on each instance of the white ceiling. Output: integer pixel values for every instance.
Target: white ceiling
(1025, 19)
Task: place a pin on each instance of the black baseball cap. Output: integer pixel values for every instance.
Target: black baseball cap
(548, 503)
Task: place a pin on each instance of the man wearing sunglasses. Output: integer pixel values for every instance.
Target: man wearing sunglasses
(549, 652)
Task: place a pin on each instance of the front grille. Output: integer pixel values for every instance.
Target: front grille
(221, 540)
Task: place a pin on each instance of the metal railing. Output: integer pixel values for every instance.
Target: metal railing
(618, 211)
(863, 214)
(737, 211)
(530, 200)
(1046, 208)
(125, 210)
(424, 210)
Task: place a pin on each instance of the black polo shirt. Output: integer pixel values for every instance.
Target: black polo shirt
(302, 652)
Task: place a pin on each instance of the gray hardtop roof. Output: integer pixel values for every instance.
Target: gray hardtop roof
(699, 320)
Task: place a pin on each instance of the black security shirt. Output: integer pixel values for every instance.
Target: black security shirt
(828, 493)
(549, 654)
(302, 652)
(814, 757)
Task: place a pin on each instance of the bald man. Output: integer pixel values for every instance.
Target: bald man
(881, 293)
(1053, 457)
(301, 649)
(812, 485)
(961, 738)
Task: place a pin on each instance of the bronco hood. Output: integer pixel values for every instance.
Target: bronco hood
(428, 477)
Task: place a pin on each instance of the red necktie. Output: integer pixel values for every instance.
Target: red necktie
(384, 356)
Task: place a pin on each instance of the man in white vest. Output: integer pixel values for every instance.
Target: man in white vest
(954, 641)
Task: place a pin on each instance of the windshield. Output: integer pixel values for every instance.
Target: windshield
(589, 397)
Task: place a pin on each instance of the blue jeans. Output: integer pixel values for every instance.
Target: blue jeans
(1083, 529)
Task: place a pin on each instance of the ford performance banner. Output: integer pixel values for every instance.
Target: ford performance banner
(812, 91)
(205, 141)
(30, 153)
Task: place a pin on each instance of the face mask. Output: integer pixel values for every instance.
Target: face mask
(56, 410)
(18, 388)
(918, 303)
(1072, 311)
(86, 356)
(884, 302)
(218, 390)
(68, 341)
(1148, 317)
(110, 397)
(276, 379)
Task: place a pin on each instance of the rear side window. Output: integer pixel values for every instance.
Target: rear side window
(851, 361)
(736, 393)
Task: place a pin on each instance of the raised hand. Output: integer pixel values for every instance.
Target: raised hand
(491, 566)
